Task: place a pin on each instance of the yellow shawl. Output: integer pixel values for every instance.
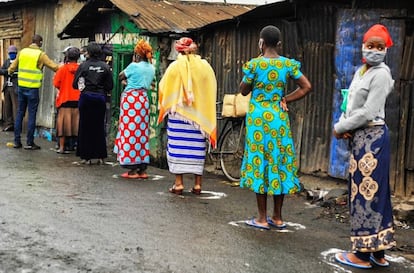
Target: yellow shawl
(189, 88)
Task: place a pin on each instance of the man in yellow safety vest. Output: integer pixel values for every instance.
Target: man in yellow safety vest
(30, 62)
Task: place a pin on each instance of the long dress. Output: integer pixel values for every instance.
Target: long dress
(269, 164)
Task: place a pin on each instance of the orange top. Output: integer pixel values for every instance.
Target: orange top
(63, 81)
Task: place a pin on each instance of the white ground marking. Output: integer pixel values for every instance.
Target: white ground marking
(212, 195)
(157, 177)
(328, 257)
(150, 177)
(296, 226)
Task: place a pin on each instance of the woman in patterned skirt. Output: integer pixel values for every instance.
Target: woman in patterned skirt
(363, 123)
(132, 141)
(269, 164)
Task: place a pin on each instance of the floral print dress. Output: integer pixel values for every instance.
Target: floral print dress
(269, 163)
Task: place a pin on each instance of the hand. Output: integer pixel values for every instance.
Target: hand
(336, 135)
(124, 82)
(283, 104)
(345, 135)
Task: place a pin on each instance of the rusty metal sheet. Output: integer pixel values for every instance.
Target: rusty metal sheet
(176, 16)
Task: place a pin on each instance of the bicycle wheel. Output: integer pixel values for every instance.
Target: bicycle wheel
(231, 151)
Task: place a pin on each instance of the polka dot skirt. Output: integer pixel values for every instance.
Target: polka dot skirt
(132, 140)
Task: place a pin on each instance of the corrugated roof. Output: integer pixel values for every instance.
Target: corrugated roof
(156, 17)
(177, 16)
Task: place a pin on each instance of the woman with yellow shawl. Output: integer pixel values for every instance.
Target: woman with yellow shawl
(187, 94)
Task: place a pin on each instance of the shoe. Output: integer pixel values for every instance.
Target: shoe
(130, 176)
(196, 191)
(173, 190)
(8, 129)
(32, 147)
(253, 223)
(376, 262)
(87, 162)
(17, 145)
(62, 152)
(346, 261)
(273, 224)
(100, 161)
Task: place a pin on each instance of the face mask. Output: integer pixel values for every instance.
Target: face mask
(12, 55)
(373, 57)
(82, 58)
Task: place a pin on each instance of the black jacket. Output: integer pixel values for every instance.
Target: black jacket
(97, 75)
(3, 71)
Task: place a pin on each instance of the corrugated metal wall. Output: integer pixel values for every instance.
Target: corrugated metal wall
(227, 48)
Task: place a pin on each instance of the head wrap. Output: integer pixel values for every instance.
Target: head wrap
(143, 49)
(378, 31)
(12, 48)
(185, 45)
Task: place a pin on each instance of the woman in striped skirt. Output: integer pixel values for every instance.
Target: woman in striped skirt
(187, 95)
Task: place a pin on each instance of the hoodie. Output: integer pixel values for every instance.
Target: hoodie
(63, 82)
(366, 98)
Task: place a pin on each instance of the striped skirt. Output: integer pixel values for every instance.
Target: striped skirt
(186, 147)
(372, 226)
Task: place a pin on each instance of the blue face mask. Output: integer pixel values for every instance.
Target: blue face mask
(12, 55)
(373, 57)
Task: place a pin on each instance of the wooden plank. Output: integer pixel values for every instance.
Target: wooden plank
(29, 24)
(397, 181)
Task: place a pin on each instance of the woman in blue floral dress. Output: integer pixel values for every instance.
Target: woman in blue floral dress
(269, 165)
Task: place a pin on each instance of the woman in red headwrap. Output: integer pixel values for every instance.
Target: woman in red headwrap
(187, 94)
(363, 123)
(132, 141)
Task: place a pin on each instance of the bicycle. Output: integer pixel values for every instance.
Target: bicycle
(230, 146)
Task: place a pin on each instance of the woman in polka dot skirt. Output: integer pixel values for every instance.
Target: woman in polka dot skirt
(132, 141)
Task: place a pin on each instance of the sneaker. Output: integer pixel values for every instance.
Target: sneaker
(17, 145)
(32, 147)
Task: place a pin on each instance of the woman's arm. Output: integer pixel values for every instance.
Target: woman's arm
(245, 88)
(304, 87)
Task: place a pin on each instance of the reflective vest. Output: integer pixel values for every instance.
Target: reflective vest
(30, 75)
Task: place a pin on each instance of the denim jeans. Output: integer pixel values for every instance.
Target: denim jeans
(26, 98)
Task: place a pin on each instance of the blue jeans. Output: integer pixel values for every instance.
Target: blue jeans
(27, 98)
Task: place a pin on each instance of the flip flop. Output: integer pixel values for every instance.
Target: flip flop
(273, 224)
(253, 223)
(130, 176)
(175, 191)
(196, 191)
(375, 261)
(346, 261)
(143, 176)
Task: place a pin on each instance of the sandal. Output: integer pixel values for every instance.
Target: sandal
(196, 191)
(130, 176)
(175, 191)
(143, 175)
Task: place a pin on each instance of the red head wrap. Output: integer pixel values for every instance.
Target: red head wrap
(378, 31)
(185, 45)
